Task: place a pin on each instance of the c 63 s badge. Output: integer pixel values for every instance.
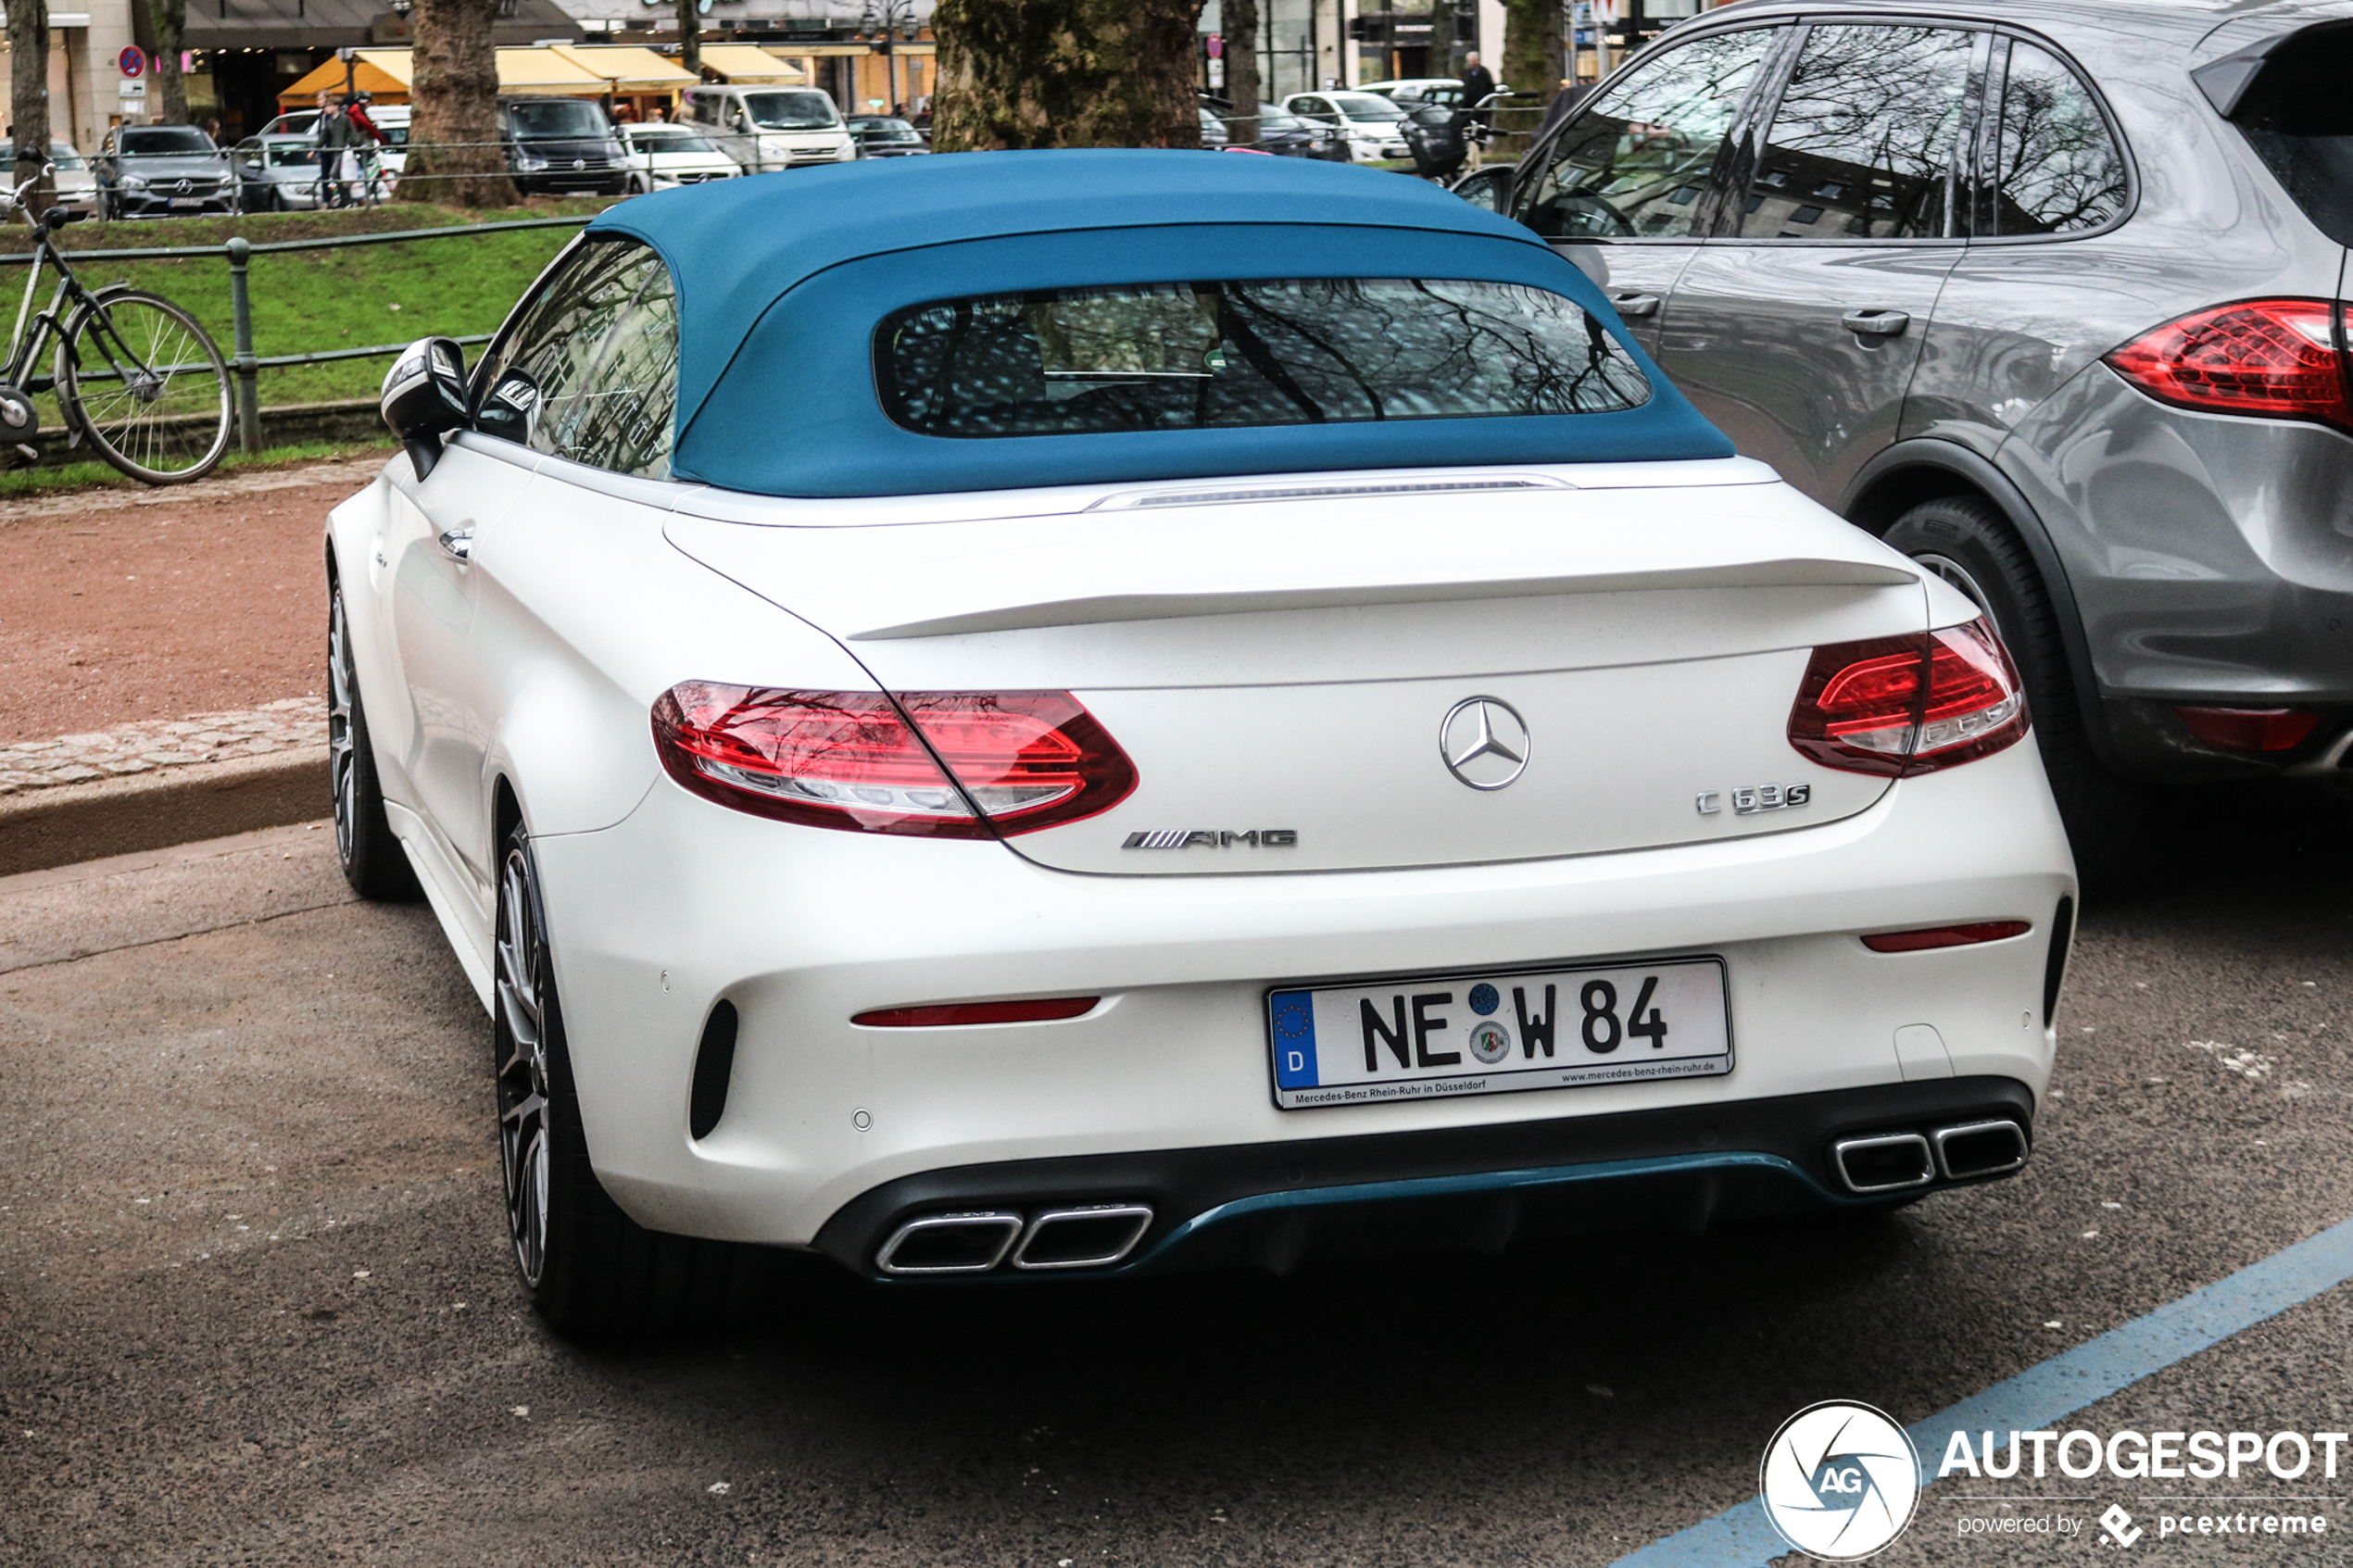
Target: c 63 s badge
(1755, 797)
(1210, 838)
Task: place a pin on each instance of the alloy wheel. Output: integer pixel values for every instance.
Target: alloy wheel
(342, 760)
(521, 1047)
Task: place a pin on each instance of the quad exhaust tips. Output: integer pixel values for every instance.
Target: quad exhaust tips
(1897, 1161)
(1093, 1237)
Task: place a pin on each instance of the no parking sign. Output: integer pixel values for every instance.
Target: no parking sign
(133, 59)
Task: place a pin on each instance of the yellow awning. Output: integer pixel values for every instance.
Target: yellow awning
(547, 72)
(383, 74)
(749, 63)
(629, 68)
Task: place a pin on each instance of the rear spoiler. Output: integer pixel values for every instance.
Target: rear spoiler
(2228, 82)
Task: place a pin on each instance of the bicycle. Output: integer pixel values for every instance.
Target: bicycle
(133, 372)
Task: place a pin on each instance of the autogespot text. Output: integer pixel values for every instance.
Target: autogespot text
(2139, 1456)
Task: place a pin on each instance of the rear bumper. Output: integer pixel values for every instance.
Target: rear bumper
(1275, 1205)
(685, 903)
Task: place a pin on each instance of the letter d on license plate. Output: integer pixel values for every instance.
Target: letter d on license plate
(1497, 1033)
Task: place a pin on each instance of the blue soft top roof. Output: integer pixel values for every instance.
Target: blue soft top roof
(783, 278)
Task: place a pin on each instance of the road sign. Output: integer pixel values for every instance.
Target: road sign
(1216, 45)
(132, 60)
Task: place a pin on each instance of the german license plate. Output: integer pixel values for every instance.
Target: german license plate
(1500, 1033)
(188, 201)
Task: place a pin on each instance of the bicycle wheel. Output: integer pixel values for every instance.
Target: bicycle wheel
(146, 385)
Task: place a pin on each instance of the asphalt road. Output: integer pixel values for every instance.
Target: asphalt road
(254, 1306)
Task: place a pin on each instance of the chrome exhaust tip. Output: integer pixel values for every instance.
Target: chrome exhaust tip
(1883, 1163)
(1092, 1237)
(1980, 1149)
(950, 1244)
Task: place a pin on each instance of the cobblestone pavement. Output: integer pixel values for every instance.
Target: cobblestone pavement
(143, 748)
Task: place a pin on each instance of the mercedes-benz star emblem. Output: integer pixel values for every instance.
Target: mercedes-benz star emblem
(1484, 742)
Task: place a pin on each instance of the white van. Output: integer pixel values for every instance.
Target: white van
(765, 128)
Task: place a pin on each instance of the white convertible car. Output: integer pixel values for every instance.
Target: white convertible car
(1085, 712)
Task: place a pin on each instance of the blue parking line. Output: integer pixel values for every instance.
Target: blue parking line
(2043, 1394)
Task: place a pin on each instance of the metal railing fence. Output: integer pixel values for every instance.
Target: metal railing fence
(244, 364)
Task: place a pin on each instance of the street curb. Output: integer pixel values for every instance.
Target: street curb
(65, 823)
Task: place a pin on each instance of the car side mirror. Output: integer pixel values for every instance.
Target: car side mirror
(425, 398)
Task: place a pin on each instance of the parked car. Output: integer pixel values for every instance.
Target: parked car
(2045, 302)
(563, 147)
(880, 135)
(1374, 128)
(881, 841)
(155, 171)
(393, 120)
(1280, 131)
(1443, 90)
(74, 180)
(278, 173)
(662, 156)
(765, 128)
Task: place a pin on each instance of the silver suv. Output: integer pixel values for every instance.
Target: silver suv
(2047, 294)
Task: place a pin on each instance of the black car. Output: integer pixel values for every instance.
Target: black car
(152, 171)
(1280, 131)
(563, 146)
(880, 135)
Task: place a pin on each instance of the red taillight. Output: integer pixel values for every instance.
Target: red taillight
(2249, 729)
(1945, 936)
(956, 1015)
(850, 759)
(2277, 357)
(1910, 703)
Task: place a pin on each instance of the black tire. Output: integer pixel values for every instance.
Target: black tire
(1970, 546)
(373, 860)
(157, 400)
(591, 1271)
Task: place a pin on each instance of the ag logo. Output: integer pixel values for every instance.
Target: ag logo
(1839, 1481)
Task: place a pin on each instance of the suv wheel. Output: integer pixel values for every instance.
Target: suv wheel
(1970, 545)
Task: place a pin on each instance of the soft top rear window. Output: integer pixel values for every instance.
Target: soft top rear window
(1231, 355)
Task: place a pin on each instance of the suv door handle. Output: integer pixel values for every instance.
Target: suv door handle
(1875, 323)
(1633, 307)
(457, 544)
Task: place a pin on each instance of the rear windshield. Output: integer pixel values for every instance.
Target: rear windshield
(791, 111)
(1211, 355)
(2299, 119)
(1366, 106)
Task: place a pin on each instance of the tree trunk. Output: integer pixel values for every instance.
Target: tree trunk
(29, 97)
(170, 19)
(1064, 73)
(690, 35)
(454, 156)
(1242, 70)
(1534, 62)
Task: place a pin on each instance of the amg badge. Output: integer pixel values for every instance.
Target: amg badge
(1188, 838)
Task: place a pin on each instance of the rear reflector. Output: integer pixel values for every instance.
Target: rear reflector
(2249, 729)
(862, 760)
(1945, 936)
(1899, 706)
(956, 1014)
(2275, 357)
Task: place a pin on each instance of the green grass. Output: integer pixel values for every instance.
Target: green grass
(97, 475)
(350, 298)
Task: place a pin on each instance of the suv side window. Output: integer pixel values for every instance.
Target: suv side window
(1865, 142)
(1636, 162)
(2057, 169)
(590, 370)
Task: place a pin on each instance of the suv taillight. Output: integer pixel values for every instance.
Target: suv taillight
(2276, 358)
(864, 761)
(1908, 705)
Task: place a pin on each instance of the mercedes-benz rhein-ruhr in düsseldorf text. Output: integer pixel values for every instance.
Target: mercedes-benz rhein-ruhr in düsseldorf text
(1064, 713)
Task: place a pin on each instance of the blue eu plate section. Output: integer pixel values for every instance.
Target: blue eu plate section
(1294, 1016)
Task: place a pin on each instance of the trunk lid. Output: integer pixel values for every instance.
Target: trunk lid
(1292, 676)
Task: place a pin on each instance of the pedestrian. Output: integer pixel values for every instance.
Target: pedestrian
(1477, 83)
(336, 135)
